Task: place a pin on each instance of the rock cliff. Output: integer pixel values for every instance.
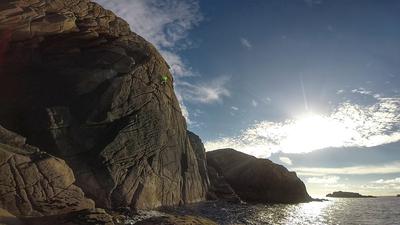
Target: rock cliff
(257, 180)
(77, 83)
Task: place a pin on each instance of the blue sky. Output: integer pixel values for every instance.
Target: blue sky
(312, 84)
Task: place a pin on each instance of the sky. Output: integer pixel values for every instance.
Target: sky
(313, 85)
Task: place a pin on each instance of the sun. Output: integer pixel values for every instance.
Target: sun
(312, 131)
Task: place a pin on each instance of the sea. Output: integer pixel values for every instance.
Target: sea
(334, 211)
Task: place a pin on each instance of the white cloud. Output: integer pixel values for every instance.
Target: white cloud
(246, 43)
(361, 91)
(349, 125)
(254, 103)
(392, 185)
(389, 181)
(389, 168)
(184, 110)
(286, 160)
(177, 67)
(206, 92)
(323, 180)
(340, 91)
(234, 108)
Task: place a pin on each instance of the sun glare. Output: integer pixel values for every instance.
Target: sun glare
(313, 131)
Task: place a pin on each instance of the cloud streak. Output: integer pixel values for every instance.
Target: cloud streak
(349, 125)
(323, 180)
(207, 92)
(389, 168)
(388, 181)
(246, 43)
(286, 160)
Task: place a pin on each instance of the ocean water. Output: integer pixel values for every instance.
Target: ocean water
(335, 211)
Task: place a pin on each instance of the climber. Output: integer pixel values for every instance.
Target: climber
(164, 79)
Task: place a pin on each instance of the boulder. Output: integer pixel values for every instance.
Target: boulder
(35, 183)
(78, 84)
(257, 180)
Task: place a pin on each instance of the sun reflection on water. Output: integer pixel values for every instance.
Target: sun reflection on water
(315, 213)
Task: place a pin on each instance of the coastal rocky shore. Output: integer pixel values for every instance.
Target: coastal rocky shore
(90, 133)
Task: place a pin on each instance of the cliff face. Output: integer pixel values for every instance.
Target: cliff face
(81, 86)
(257, 180)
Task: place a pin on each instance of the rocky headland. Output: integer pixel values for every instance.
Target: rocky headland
(256, 180)
(90, 133)
(344, 194)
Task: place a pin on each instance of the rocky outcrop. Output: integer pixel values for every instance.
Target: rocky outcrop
(200, 152)
(81, 86)
(34, 183)
(219, 188)
(344, 194)
(257, 180)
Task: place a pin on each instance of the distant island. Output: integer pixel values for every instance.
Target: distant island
(398, 195)
(343, 194)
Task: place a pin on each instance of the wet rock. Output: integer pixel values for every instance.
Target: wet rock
(81, 86)
(257, 180)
